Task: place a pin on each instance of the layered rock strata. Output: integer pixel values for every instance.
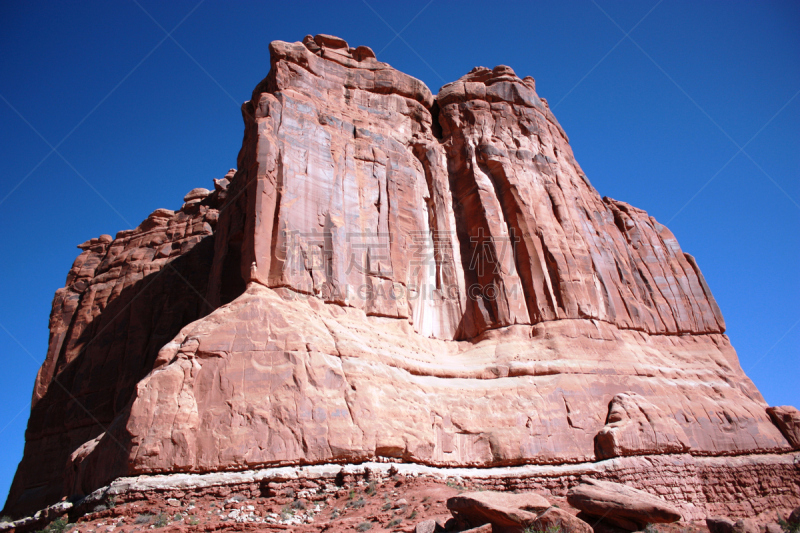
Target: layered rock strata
(388, 275)
(744, 486)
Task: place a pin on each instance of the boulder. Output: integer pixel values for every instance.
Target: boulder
(330, 41)
(501, 509)
(196, 194)
(794, 517)
(725, 525)
(555, 519)
(787, 418)
(718, 524)
(746, 525)
(621, 505)
(426, 526)
(486, 528)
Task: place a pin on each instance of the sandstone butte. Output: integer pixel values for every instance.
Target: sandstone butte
(391, 275)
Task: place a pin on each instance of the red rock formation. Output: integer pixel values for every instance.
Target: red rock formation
(787, 418)
(125, 298)
(620, 505)
(386, 275)
(576, 256)
(503, 509)
(637, 427)
(511, 513)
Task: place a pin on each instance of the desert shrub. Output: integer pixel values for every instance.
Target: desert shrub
(193, 520)
(364, 526)
(145, 518)
(788, 527)
(458, 486)
(413, 515)
(395, 522)
(59, 525)
(161, 520)
(357, 504)
(98, 508)
(650, 528)
(298, 504)
(371, 488)
(554, 528)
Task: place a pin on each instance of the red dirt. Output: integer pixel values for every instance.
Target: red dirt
(397, 504)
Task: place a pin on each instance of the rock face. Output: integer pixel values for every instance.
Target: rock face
(635, 427)
(125, 297)
(387, 274)
(787, 418)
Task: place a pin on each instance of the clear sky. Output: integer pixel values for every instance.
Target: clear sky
(688, 110)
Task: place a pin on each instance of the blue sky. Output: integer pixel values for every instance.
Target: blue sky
(688, 110)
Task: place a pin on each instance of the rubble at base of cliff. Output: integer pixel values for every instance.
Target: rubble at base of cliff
(406, 497)
(397, 503)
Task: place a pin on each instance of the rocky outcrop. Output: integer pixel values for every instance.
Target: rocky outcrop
(463, 216)
(387, 275)
(574, 255)
(794, 517)
(635, 426)
(497, 508)
(512, 513)
(621, 505)
(787, 418)
(324, 383)
(723, 525)
(125, 297)
(718, 524)
(557, 519)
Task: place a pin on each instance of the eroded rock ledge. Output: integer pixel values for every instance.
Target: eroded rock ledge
(699, 487)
